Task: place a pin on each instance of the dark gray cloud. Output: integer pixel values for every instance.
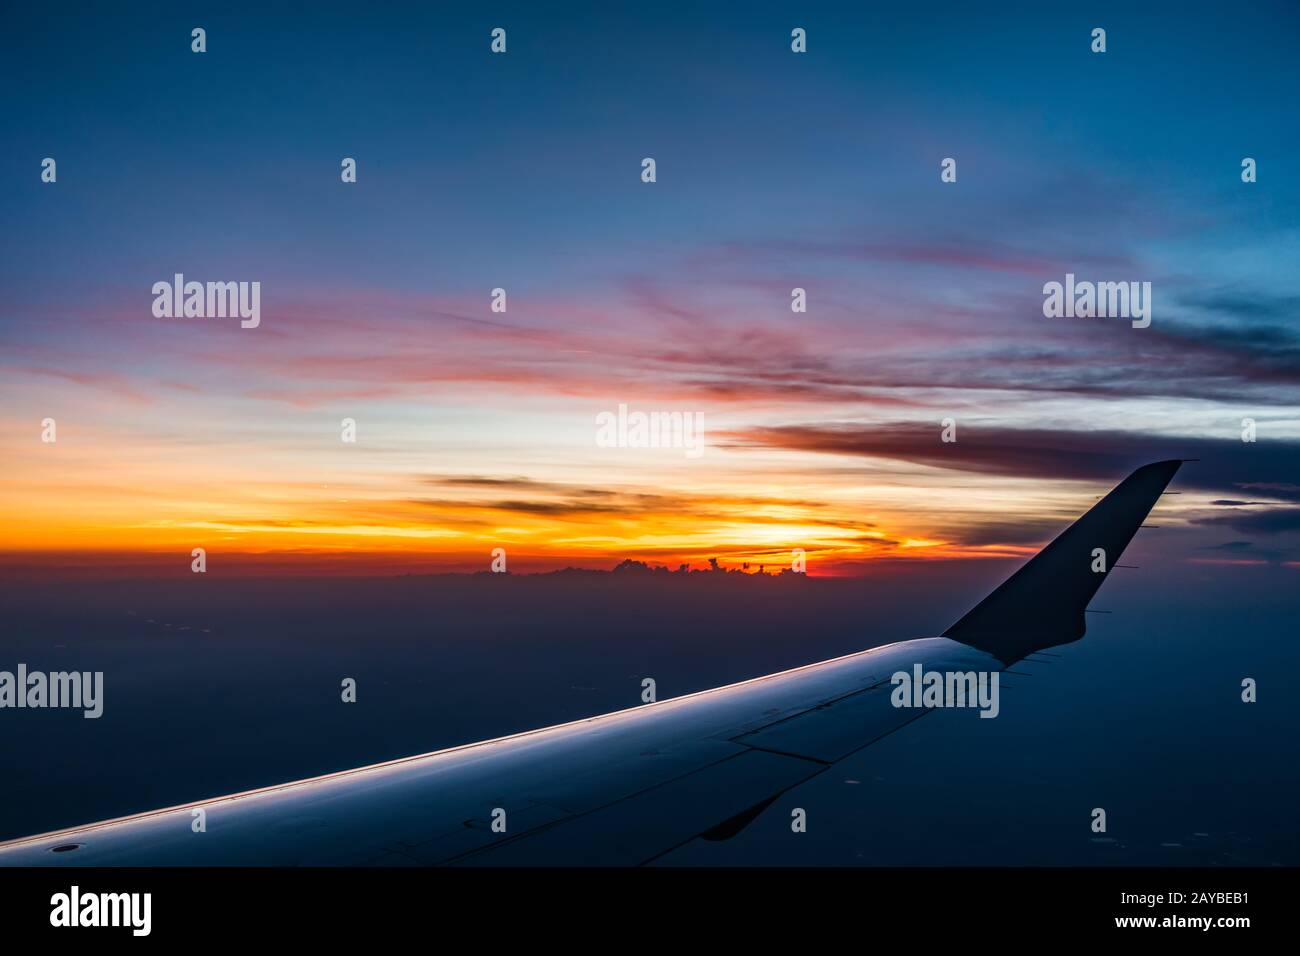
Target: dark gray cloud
(1264, 521)
(1224, 465)
(562, 500)
(1250, 306)
(1249, 550)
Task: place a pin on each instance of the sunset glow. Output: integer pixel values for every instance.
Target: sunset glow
(477, 429)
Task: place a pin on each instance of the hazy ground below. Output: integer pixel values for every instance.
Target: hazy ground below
(216, 685)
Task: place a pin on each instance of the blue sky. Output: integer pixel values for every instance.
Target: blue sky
(775, 170)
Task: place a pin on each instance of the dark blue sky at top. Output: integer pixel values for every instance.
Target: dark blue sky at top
(469, 160)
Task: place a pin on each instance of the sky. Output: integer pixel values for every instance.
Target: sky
(477, 429)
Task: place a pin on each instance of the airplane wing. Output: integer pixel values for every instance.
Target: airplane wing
(623, 788)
